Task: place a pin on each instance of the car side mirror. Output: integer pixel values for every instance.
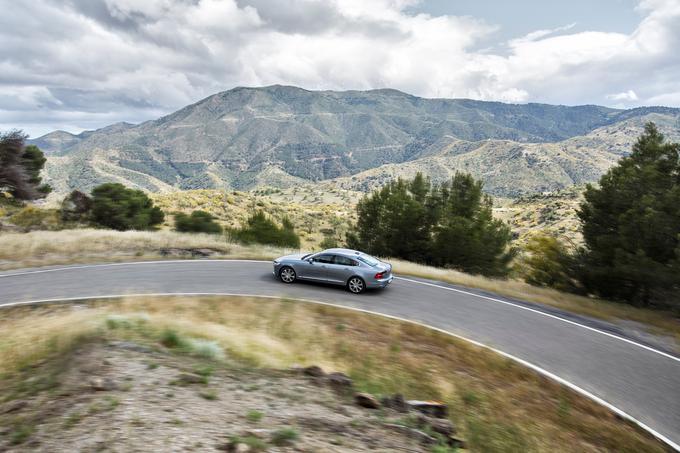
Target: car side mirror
(310, 260)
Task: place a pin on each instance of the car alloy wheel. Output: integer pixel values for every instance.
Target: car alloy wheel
(355, 285)
(287, 275)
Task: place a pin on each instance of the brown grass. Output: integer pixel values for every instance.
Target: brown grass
(497, 405)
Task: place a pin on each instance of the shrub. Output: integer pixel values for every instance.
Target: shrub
(284, 436)
(117, 207)
(261, 229)
(32, 218)
(197, 222)
(76, 206)
(548, 262)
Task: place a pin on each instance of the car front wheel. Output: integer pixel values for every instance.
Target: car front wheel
(356, 285)
(287, 275)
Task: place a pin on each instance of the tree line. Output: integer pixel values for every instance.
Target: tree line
(630, 223)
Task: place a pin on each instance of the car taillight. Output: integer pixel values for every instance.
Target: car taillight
(379, 275)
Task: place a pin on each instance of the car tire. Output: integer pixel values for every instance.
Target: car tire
(287, 274)
(356, 285)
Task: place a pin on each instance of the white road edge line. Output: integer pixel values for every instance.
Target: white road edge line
(523, 362)
(592, 329)
(533, 310)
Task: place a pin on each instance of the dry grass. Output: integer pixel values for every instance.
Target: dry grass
(42, 248)
(498, 405)
(661, 322)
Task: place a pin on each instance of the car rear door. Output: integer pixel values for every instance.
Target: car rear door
(341, 269)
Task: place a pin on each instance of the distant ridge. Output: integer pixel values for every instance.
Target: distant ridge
(281, 135)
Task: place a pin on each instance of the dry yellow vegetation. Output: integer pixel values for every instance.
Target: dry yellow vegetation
(498, 405)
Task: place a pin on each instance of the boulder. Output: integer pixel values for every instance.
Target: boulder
(367, 400)
(189, 378)
(339, 380)
(102, 384)
(396, 402)
(431, 408)
(314, 371)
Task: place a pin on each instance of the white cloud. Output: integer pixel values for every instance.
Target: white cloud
(90, 61)
(623, 96)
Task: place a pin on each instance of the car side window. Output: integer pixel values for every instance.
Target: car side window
(326, 259)
(344, 261)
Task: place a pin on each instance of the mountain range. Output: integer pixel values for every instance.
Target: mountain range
(282, 136)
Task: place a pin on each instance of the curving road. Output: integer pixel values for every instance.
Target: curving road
(635, 379)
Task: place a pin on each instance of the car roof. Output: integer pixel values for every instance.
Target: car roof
(341, 251)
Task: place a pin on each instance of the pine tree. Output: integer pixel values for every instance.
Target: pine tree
(631, 224)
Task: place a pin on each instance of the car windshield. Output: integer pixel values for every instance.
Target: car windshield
(368, 260)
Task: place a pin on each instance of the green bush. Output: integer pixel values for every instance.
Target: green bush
(20, 167)
(261, 229)
(548, 262)
(117, 207)
(197, 222)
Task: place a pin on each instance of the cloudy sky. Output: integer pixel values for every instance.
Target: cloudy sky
(83, 64)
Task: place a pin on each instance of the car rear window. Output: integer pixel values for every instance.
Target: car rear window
(344, 261)
(368, 260)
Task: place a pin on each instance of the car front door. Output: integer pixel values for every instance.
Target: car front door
(341, 269)
(318, 267)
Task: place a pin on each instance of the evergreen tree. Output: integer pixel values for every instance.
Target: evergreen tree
(448, 225)
(466, 235)
(20, 167)
(117, 207)
(631, 224)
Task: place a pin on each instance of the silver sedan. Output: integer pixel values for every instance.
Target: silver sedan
(350, 268)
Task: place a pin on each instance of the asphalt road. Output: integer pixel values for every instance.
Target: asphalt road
(639, 380)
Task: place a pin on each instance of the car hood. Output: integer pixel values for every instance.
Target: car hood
(297, 256)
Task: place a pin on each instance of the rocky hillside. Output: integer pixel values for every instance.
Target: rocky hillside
(280, 136)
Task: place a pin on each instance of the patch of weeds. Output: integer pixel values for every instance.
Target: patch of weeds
(563, 408)
(443, 449)
(395, 348)
(151, 366)
(170, 395)
(206, 349)
(340, 327)
(252, 388)
(20, 434)
(126, 387)
(492, 437)
(255, 444)
(204, 370)
(112, 402)
(254, 416)
(177, 422)
(171, 339)
(72, 420)
(284, 436)
(114, 322)
(470, 398)
(209, 395)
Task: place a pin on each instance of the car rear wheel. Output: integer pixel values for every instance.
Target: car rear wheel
(356, 285)
(287, 275)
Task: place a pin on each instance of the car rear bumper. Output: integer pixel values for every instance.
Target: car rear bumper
(382, 283)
